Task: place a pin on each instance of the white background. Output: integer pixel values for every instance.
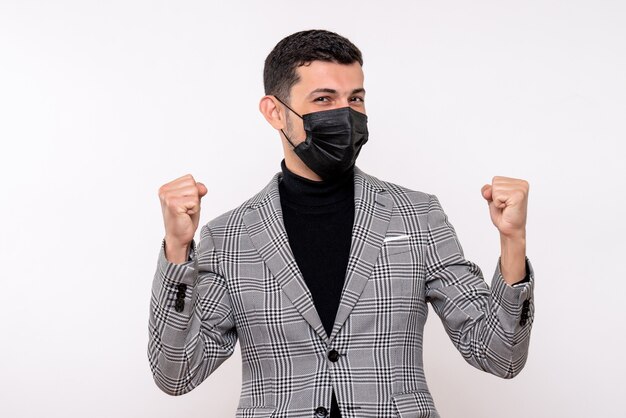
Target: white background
(102, 102)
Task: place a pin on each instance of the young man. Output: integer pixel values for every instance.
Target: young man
(324, 275)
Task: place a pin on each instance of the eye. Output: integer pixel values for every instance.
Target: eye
(322, 99)
(357, 99)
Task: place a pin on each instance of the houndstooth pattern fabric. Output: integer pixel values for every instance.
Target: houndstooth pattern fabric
(243, 284)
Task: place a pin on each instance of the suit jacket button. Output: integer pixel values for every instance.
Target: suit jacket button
(333, 355)
(180, 305)
(321, 412)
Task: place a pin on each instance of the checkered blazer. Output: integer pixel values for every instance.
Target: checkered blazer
(242, 283)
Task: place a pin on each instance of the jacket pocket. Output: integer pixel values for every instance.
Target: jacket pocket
(396, 246)
(254, 412)
(415, 405)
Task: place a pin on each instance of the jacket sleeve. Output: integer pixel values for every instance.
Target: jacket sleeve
(191, 326)
(490, 326)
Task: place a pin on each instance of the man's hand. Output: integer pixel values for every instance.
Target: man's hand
(508, 202)
(180, 203)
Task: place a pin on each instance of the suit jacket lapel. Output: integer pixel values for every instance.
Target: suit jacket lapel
(372, 213)
(264, 222)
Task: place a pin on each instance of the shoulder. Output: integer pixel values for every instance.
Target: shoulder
(400, 195)
(233, 218)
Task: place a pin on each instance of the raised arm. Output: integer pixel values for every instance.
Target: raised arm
(191, 325)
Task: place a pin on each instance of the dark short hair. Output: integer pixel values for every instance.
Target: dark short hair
(302, 48)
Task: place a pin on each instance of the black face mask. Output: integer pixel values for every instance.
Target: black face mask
(333, 140)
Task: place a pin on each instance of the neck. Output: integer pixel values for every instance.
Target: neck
(302, 191)
(296, 166)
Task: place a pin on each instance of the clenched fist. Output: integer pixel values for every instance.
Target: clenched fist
(508, 201)
(180, 203)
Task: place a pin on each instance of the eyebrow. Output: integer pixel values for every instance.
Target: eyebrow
(333, 91)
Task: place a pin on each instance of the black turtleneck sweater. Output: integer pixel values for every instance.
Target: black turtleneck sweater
(318, 217)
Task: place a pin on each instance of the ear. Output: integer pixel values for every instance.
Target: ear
(273, 112)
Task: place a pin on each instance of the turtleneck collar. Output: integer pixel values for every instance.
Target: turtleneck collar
(302, 191)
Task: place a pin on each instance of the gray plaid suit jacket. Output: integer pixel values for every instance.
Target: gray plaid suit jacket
(242, 283)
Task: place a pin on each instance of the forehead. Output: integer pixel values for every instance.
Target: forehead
(331, 75)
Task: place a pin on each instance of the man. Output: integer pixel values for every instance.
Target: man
(324, 275)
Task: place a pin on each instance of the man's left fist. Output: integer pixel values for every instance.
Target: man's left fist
(508, 201)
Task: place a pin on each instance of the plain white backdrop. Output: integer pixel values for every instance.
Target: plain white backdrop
(102, 102)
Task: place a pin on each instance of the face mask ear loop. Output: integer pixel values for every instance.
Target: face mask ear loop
(296, 113)
(285, 104)
(288, 140)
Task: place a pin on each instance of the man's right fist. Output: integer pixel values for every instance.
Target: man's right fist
(180, 203)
